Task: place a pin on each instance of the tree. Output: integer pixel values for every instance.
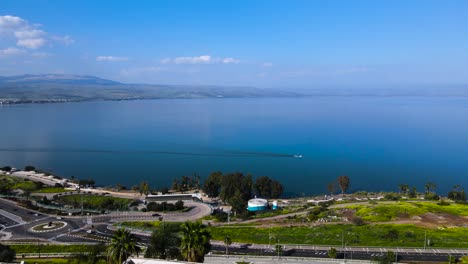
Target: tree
(332, 253)
(268, 188)
(195, 241)
(227, 242)
(262, 186)
(6, 168)
(123, 244)
(404, 188)
(29, 168)
(412, 193)
(212, 184)
(164, 243)
(144, 188)
(331, 188)
(343, 182)
(430, 187)
(6, 253)
(457, 193)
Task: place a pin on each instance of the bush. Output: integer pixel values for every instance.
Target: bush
(443, 203)
(332, 253)
(392, 197)
(29, 168)
(431, 196)
(357, 221)
(6, 254)
(392, 234)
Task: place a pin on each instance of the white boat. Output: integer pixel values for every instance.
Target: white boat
(298, 156)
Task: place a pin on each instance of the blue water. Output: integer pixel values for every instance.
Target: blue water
(379, 142)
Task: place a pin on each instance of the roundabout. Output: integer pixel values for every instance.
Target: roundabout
(49, 226)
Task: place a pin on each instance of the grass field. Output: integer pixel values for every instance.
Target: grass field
(58, 261)
(91, 201)
(31, 248)
(144, 225)
(387, 212)
(331, 234)
(52, 190)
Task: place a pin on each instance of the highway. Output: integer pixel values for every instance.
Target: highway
(16, 224)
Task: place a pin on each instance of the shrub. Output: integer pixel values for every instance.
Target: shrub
(29, 168)
(431, 196)
(357, 221)
(392, 197)
(332, 253)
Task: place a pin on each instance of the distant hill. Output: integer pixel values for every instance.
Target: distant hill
(47, 88)
(73, 88)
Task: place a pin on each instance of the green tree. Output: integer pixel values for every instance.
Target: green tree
(404, 188)
(212, 184)
(430, 187)
(457, 193)
(331, 188)
(195, 241)
(6, 253)
(29, 168)
(164, 243)
(144, 188)
(412, 193)
(332, 253)
(343, 182)
(123, 244)
(268, 188)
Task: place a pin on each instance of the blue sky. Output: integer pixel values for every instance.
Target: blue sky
(259, 43)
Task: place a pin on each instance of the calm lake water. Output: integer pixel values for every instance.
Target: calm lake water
(379, 142)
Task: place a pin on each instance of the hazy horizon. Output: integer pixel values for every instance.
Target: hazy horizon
(262, 43)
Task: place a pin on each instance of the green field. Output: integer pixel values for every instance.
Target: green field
(92, 201)
(58, 261)
(390, 211)
(52, 190)
(144, 225)
(331, 234)
(32, 248)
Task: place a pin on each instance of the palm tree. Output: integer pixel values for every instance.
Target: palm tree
(164, 242)
(227, 242)
(123, 244)
(403, 188)
(195, 241)
(429, 187)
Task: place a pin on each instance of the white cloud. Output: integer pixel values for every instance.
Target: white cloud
(203, 59)
(27, 35)
(230, 60)
(8, 22)
(66, 40)
(11, 52)
(111, 58)
(31, 43)
(267, 64)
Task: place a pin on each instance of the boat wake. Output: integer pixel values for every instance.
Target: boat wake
(223, 153)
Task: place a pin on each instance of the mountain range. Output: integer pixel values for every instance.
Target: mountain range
(47, 88)
(74, 88)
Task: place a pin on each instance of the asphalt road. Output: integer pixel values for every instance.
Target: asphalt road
(350, 254)
(77, 227)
